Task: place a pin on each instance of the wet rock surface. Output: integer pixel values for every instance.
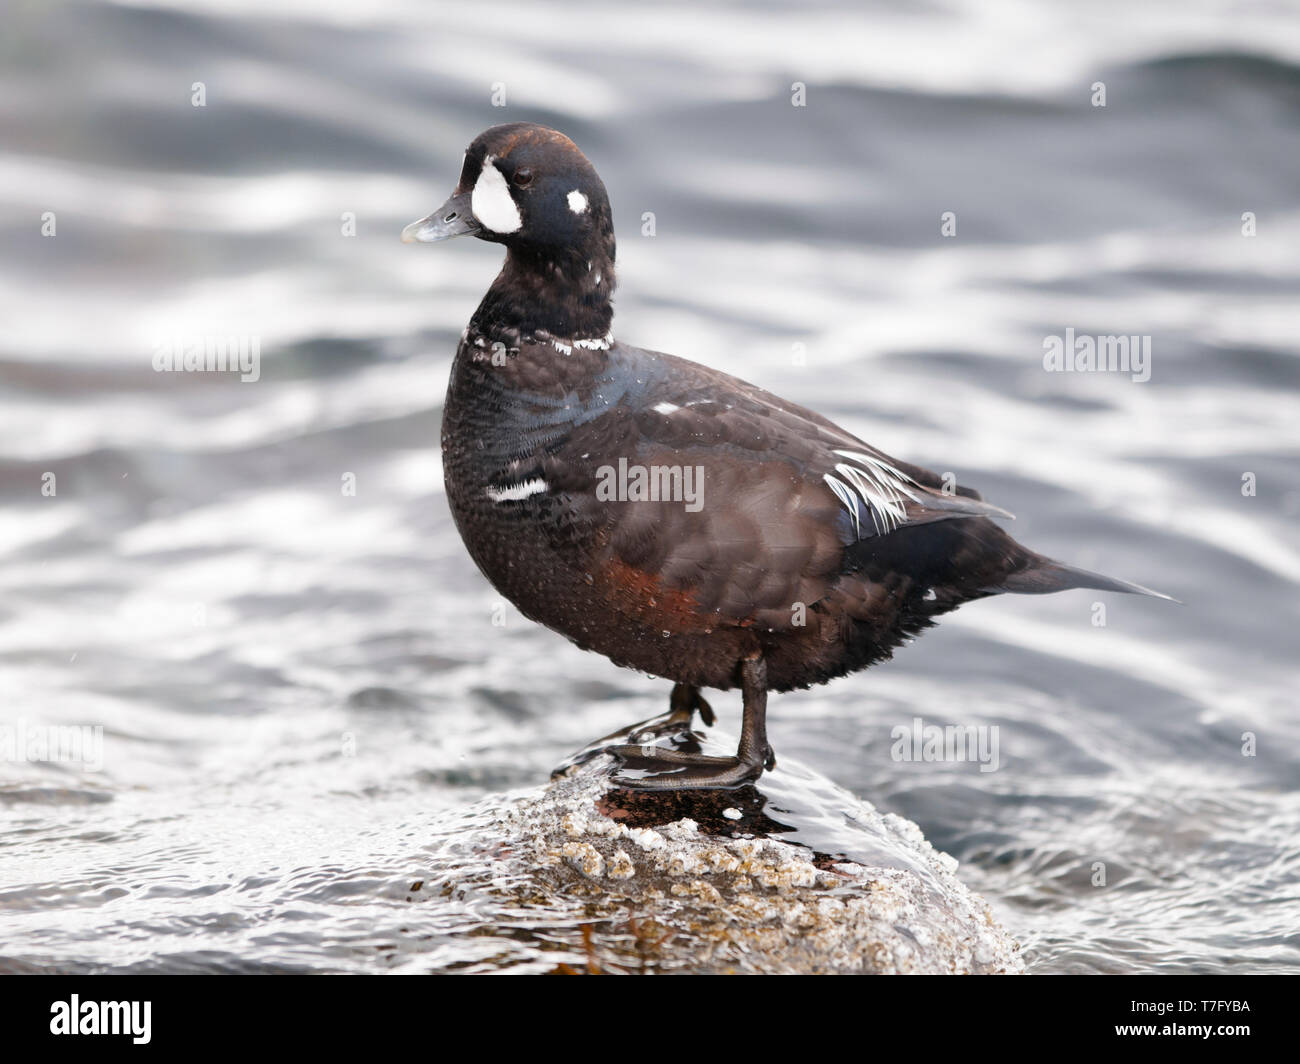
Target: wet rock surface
(790, 875)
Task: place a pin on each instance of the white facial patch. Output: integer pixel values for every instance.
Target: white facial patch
(492, 203)
(577, 202)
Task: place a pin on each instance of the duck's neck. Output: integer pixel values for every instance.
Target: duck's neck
(565, 297)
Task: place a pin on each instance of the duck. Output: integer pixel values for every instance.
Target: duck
(676, 519)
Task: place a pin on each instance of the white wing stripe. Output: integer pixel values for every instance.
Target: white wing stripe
(881, 486)
(517, 492)
(850, 501)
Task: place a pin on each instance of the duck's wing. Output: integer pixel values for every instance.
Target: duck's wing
(712, 501)
(879, 494)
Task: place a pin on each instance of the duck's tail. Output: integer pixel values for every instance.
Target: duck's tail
(1043, 576)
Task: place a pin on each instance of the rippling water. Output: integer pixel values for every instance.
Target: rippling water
(301, 690)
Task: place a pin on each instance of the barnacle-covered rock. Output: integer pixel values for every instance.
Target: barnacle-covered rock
(792, 874)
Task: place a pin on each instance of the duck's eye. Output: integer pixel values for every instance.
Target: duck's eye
(523, 177)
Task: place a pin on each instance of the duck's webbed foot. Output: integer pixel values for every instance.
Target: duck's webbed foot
(655, 768)
(673, 726)
(665, 769)
(649, 765)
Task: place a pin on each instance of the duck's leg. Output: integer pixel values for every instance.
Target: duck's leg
(684, 702)
(677, 770)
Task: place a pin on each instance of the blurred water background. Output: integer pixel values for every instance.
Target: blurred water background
(300, 688)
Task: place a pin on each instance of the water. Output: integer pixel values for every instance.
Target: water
(301, 690)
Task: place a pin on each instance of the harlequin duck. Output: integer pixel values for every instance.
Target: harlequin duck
(676, 519)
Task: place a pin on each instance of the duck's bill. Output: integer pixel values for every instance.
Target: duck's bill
(453, 218)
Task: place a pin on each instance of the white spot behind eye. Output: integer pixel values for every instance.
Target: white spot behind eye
(492, 203)
(666, 408)
(577, 202)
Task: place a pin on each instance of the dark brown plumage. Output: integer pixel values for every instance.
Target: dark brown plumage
(787, 551)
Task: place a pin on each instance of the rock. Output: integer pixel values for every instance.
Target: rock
(792, 875)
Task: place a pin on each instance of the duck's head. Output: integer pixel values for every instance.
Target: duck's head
(529, 188)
